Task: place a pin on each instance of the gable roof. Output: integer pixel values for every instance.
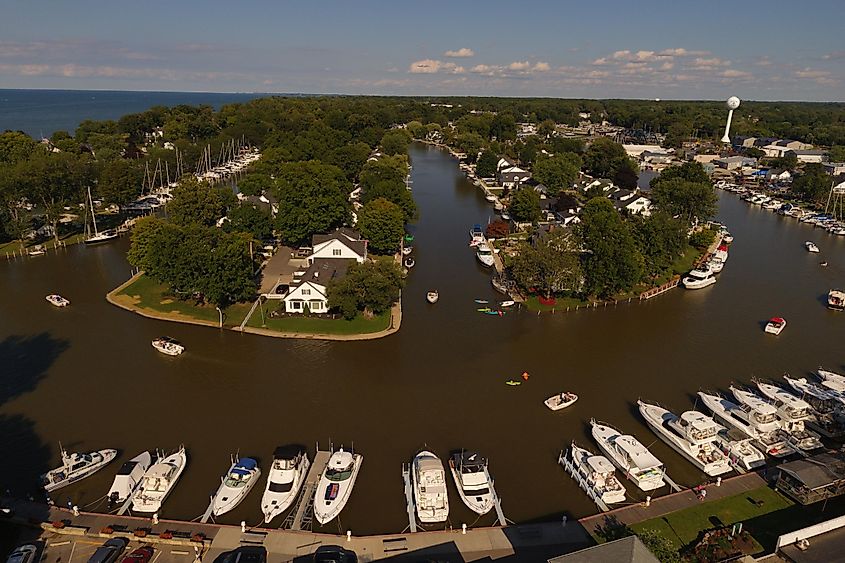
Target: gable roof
(323, 270)
(626, 550)
(347, 236)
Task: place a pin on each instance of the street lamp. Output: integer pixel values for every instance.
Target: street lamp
(732, 103)
(221, 316)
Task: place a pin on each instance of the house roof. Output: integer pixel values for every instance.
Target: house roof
(817, 471)
(347, 236)
(626, 550)
(323, 270)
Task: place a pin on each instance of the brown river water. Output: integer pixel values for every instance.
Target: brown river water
(88, 377)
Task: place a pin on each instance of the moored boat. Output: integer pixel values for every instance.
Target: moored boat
(793, 413)
(599, 474)
(832, 380)
(409, 262)
(429, 482)
(699, 278)
(75, 467)
(628, 454)
(235, 486)
(407, 250)
(336, 484)
(284, 481)
(739, 449)
(485, 255)
(811, 247)
(129, 477)
(57, 300)
(159, 481)
(472, 479)
(560, 401)
(432, 297)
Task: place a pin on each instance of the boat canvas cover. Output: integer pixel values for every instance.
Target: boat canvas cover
(290, 452)
(244, 467)
(600, 464)
(637, 453)
(161, 470)
(698, 421)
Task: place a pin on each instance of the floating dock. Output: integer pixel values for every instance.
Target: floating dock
(497, 502)
(409, 498)
(301, 517)
(570, 468)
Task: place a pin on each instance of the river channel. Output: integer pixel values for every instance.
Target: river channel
(87, 376)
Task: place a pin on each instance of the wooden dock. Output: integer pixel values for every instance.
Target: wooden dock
(570, 468)
(497, 502)
(301, 517)
(410, 507)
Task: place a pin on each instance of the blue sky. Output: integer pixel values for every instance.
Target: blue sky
(774, 50)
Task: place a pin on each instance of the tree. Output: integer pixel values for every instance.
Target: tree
(416, 129)
(604, 157)
(552, 265)
(525, 205)
(685, 199)
(382, 223)
(254, 183)
(611, 262)
(558, 172)
(546, 129)
(385, 178)
(470, 143)
(660, 239)
(487, 165)
(689, 171)
(371, 288)
(195, 202)
(395, 141)
(349, 158)
(627, 174)
(789, 161)
(660, 546)
(16, 146)
(119, 182)
(836, 153)
(251, 219)
(497, 229)
(312, 198)
(813, 184)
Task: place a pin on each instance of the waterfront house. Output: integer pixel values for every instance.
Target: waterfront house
(340, 244)
(809, 155)
(631, 201)
(513, 177)
(778, 175)
(309, 289)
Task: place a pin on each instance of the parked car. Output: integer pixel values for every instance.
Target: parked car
(141, 555)
(109, 551)
(245, 554)
(334, 554)
(23, 554)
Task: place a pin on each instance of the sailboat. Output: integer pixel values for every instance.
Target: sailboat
(98, 237)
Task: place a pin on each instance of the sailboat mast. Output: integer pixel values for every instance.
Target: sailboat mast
(93, 217)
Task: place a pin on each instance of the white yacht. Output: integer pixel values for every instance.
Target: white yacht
(469, 470)
(129, 477)
(762, 415)
(715, 265)
(485, 255)
(57, 300)
(158, 481)
(699, 278)
(629, 455)
(235, 486)
(75, 467)
(429, 482)
(290, 467)
(811, 247)
(599, 474)
(832, 380)
(828, 404)
(692, 435)
(740, 450)
(793, 412)
(763, 428)
(336, 484)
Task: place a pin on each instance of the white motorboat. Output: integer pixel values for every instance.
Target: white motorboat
(739, 449)
(836, 300)
(727, 238)
(158, 481)
(469, 471)
(560, 401)
(476, 235)
(832, 380)
(507, 303)
(775, 325)
(290, 467)
(409, 262)
(761, 426)
(129, 477)
(57, 300)
(599, 474)
(36, 250)
(75, 467)
(167, 345)
(407, 250)
(235, 486)
(692, 435)
(336, 484)
(98, 237)
(699, 278)
(428, 479)
(811, 247)
(629, 455)
(794, 412)
(715, 265)
(485, 255)
(432, 297)
(762, 413)
(829, 406)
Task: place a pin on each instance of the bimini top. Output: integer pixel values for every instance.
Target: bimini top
(244, 466)
(777, 320)
(600, 464)
(638, 454)
(290, 451)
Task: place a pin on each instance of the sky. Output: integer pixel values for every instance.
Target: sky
(775, 50)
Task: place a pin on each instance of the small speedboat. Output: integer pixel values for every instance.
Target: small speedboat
(336, 484)
(167, 345)
(159, 481)
(836, 300)
(508, 303)
(560, 401)
(490, 197)
(409, 262)
(432, 297)
(75, 467)
(407, 250)
(469, 471)
(57, 300)
(290, 466)
(429, 482)
(129, 477)
(37, 250)
(811, 247)
(242, 476)
(775, 325)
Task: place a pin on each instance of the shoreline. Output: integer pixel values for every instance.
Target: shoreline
(122, 302)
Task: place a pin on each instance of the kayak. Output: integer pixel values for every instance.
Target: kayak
(484, 310)
(492, 312)
(482, 301)
(512, 382)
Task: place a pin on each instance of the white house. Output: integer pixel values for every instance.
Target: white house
(342, 244)
(513, 176)
(309, 291)
(631, 201)
(834, 168)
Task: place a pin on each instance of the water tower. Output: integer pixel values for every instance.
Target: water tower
(732, 103)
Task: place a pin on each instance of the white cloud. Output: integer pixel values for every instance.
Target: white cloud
(460, 53)
(542, 67)
(524, 65)
(734, 73)
(433, 66)
(808, 72)
(712, 62)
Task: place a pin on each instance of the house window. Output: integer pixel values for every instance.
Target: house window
(306, 292)
(336, 252)
(296, 305)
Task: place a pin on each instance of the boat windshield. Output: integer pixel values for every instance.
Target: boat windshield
(764, 418)
(338, 475)
(476, 492)
(280, 487)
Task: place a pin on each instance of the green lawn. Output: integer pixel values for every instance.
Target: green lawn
(315, 325)
(561, 303)
(684, 262)
(683, 527)
(146, 293)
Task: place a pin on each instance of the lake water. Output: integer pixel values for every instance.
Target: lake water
(87, 375)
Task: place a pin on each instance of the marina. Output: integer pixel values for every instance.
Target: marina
(366, 385)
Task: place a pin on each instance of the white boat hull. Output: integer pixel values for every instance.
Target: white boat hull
(325, 510)
(57, 478)
(432, 507)
(125, 484)
(610, 491)
(646, 481)
(151, 501)
(228, 498)
(480, 504)
(272, 503)
(556, 402)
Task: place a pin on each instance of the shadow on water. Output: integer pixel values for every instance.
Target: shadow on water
(25, 361)
(25, 457)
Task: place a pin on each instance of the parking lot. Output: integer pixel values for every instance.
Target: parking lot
(68, 549)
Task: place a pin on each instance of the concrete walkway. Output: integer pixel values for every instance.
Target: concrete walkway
(635, 513)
